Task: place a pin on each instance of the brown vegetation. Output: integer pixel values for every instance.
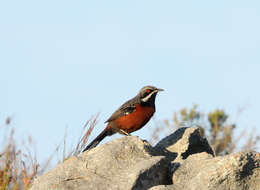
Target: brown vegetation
(19, 166)
(214, 126)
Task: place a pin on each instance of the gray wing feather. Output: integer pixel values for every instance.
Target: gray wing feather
(126, 108)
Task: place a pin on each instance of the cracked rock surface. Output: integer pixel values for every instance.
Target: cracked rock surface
(182, 160)
(125, 163)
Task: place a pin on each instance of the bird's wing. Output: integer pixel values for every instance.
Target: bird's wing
(127, 108)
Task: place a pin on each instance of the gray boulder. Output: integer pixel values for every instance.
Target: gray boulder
(238, 171)
(183, 143)
(183, 160)
(125, 163)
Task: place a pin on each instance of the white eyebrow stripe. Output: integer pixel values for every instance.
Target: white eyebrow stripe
(146, 98)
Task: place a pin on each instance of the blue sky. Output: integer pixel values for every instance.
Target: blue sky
(62, 62)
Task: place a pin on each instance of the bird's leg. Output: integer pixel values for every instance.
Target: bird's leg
(124, 132)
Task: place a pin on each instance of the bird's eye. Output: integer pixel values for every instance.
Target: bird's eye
(148, 90)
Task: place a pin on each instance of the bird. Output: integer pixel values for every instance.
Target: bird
(130, 116)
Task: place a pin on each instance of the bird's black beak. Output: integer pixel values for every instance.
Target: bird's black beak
(159, 89)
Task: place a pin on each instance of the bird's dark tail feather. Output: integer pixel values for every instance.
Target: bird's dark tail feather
(106, 132)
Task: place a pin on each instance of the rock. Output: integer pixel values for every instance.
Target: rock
(183, 143)
(183, 160)
(238, 171)
(125, 163)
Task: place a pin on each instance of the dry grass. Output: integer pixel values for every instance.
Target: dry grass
(74, 150)
(19, 166)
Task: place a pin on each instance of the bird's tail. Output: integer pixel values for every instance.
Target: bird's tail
(106, 132)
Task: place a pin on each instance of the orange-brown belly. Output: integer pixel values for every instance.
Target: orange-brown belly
(135, 120)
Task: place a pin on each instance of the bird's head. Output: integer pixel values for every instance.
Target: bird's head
(148, 93)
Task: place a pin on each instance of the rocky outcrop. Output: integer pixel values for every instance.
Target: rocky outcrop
(238, 171)
(182, 143)
(125, 163)
(183, 160)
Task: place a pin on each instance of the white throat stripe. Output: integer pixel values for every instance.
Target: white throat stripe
(146, 98)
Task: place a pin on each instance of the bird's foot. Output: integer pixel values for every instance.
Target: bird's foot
(124, 132)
